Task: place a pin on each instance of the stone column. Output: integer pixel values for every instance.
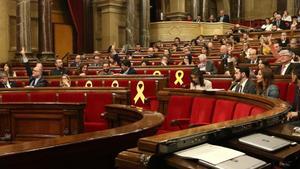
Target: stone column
(23, 33)
(195, 8)
(130, 23)
(177, 10)
(145, 23)
(4, 30)
(204, 10)
(45, 30)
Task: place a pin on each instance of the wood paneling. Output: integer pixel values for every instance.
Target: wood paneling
(63, 39)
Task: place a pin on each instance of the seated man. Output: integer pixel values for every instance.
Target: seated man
(5, 82)
(242, 83)
(76, 62)
(286, 66)
(59, 68)
(96, 62)
(36, 78)
(253, 57)
(105, 69)
(206, 65)
(296, 105)
(223, 17)
(126, 68)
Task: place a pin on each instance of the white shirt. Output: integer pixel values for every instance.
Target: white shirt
(242, 85)
(207, 85)
(7, 85)
(284, 69)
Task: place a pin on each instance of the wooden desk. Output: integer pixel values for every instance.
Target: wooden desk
(31, 121)
(284, 131)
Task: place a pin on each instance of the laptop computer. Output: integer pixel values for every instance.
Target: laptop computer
(265, 142)
(241, 162)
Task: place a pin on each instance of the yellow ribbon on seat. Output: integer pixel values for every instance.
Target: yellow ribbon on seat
(179, 75)
(140, 95)
(89, 84)
(115, 83)
(157, 72)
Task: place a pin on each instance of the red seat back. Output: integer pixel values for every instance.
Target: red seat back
(283, 88)
(221, 84)
(185, 78)
(178, 107)
(242, 110)
(15, 97)
(71, 97)
(149, 91)
(202, 110)
(291, 93)
(257, 110)
(95, 106)
(223, 110)
(42, 97)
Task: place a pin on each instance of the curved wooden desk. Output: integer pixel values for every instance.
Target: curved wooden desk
(154, 151)
(87, 150)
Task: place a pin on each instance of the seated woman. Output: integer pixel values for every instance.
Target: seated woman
(82, 70)
(65, 81)
(164, 61)
(187, 60)
(263, 64)
(198, 82)
(264, 84)
(8, 70)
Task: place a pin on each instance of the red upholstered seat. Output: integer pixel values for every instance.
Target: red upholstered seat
(163, 72)
(20, 83)
(21, 73)
(221, 84)
(94, 108)
(291, 93)
(71, 97)
(97, 83)
(54, 83)
(283, 88)
(223, 110)
(42, 97)
(179, 107)
(92, 72)
(202, 110)
(81, 83)
(15, 97)
(257, 110)
(122, 83)
(242, 110)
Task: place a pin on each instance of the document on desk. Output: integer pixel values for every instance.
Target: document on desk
(209, 153)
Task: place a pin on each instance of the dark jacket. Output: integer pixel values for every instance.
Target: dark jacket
(288, 71)
(11, 83)
(129, 72)
(59, 72)
(281, 24)
(296, 104)
(249, 87)
(40, 83)
(225, 19)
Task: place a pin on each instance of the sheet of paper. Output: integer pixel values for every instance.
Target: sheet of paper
(210, 153)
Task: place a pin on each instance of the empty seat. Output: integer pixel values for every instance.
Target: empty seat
(179, 107)
(283, 88)
(291, 93)
(71, 97)
(15, 97)
(42, 97)
(242, 110)
(221, 84)
(223, 110)
(202, 110)
(94, 108)
(257, 110)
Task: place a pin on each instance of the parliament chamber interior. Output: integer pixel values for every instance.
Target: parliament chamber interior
(150, 84)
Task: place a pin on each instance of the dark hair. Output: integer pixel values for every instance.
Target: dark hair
(126, 62)
(268, 77)
(10, 71)
(198, 74)
(265, 62)
(177, 39)
(189, 57)
(79, 69)
(245, 70)
(296, 71)
(109, 48)
(116, 59)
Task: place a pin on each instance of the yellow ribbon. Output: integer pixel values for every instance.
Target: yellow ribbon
(157, 72)
(115, 83)
(140, 94)
(179, 75)
(89, 84)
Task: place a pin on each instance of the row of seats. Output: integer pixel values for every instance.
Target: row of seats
(185, 111)
(95, 102)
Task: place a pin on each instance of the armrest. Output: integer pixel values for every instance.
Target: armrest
(181, 123)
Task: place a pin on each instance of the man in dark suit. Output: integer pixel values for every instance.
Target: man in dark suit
(283, 41)
(296, 104)
(35, 75)
(59, 68)
(223, 17)
(286, 65)
(126, 68)
(5, 82)
(279, 23)
(242, 83)
(253, 57)
(76, 62)
(206, 65)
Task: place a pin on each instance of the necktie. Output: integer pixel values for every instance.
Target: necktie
(238, 88)
(32, 82)
(282, 69)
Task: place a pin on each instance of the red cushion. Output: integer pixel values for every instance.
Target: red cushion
(221, 84)
(95, 106)
(15, 97)
(257, 110)
(81, 83)
(242, 110)
(71, 97)
(43, 97)
(283, 88)
(178, 107)
(223, 110)
(291, 93)
(202, 110)
(54, 83)
(185, 79)
(149, 91)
